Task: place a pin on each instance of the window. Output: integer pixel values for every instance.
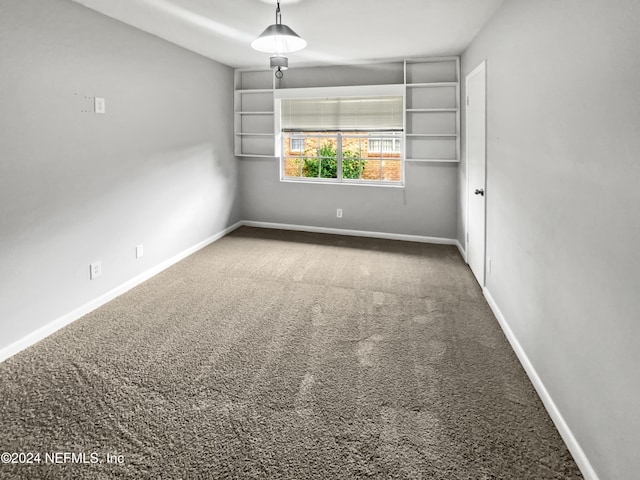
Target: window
(384, 146)
(296, 144)
(343, 156)
(342, 139)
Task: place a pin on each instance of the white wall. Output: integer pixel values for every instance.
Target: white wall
(157, 169)
(563, 226)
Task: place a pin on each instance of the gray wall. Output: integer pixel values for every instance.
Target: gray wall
(157, 169)
(425, 207)
(562, 208)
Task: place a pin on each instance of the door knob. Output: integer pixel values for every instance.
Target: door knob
(480, 191)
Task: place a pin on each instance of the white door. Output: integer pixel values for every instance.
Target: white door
(476, 170)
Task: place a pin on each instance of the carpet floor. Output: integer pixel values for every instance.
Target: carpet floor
(284, 355)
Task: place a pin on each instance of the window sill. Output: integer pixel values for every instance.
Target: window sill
(351, 183)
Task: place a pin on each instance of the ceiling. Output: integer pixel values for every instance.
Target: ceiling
(336, 31)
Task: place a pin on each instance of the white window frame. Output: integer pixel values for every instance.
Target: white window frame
(396, 142)
(362, 157)
(331, 92)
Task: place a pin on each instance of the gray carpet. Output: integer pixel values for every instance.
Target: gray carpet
(283, 355)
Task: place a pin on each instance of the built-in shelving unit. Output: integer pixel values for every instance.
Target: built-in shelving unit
(432, 113)
(253, 112)
(432, 103)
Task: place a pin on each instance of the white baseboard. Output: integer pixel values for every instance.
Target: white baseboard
(461, 250)
(88, 307)
(352, 233)
(565, 432)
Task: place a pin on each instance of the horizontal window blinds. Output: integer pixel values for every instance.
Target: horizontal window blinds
(342, 114)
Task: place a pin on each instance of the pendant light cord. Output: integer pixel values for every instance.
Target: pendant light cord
(278, 16)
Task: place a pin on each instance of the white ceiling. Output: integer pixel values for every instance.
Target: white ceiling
(336, 31)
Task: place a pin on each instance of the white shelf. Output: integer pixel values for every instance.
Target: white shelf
(431, 116)
(253, 113)
(432, 84)
(250, 134)
(427, 135)
(432, 113)
(432, 160)
(256, 155)
(255, 90)
(430, 110)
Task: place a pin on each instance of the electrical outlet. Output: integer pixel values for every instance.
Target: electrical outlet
(95, 270)
(339, 213)
(139, 251)
(99, 104)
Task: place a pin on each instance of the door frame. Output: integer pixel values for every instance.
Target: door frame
(482, 67)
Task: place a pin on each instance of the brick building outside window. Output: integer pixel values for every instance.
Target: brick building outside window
(372, 156)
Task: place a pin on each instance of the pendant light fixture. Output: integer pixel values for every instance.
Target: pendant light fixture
(278, 39)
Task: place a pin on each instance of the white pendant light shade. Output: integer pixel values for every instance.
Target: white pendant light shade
(278, 38)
